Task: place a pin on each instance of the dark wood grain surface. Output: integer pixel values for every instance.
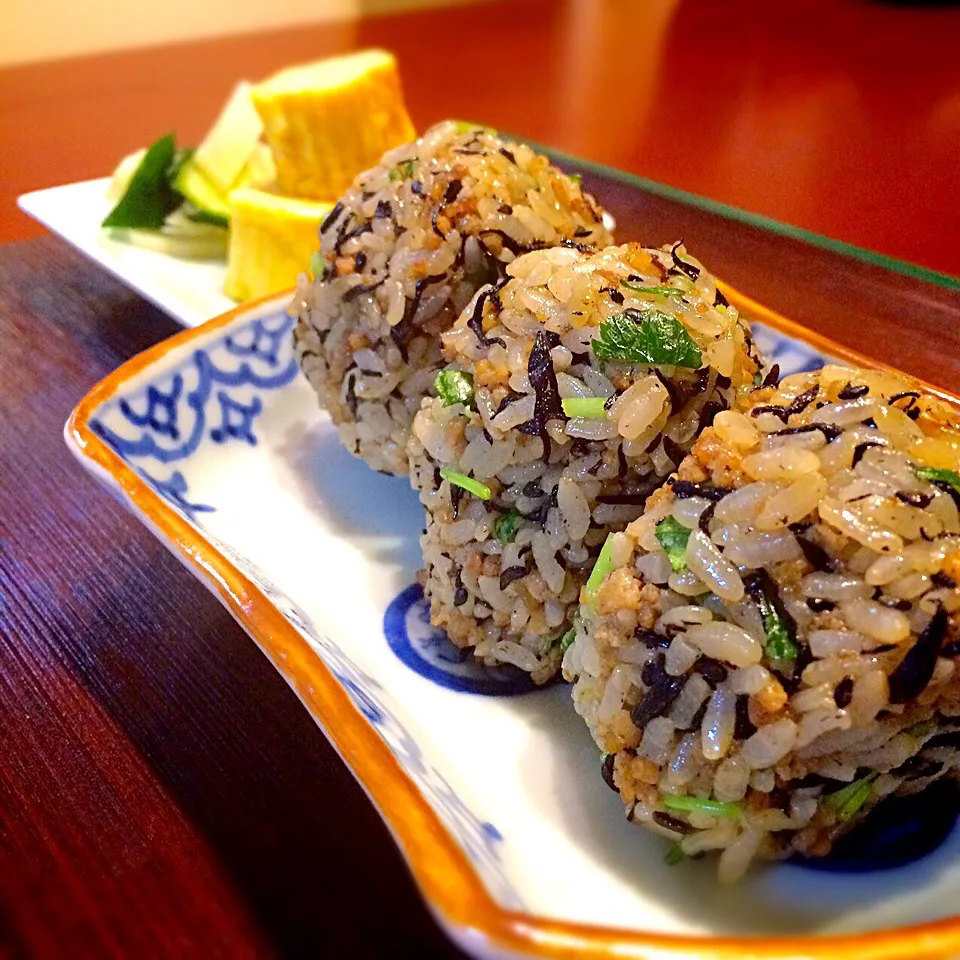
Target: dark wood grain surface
(840, 116)
(162, 793)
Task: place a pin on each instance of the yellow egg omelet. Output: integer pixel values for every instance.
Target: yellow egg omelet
(272, 238)
(327, 121)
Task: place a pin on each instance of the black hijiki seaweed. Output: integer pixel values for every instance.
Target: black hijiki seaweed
(475, 323)
(797, 405)
(686, 488)
(829, 430)
(543, 379)
(681, 265)
(662, 690)
(911, 676)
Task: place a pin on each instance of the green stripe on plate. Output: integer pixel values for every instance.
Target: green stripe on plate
(751, 219)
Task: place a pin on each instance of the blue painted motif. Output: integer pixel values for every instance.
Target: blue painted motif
(792, 356)
(175, 491)
(214, 394)
(236, 419)
(427, 650)
(479, 839)
(161, 412)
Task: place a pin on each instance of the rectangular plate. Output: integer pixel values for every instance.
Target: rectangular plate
(190, 291)
(213, 440)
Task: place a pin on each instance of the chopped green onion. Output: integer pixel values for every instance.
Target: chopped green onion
(601, 569)
(675, 855)
(699, 805)
(647, 336)
(653, 291)
(758, 378)
(939, 475)
(591, 408)
(454, 386)
(847, 801)
(566, 641)
(506, 525)
(403, 170)
(576, 178)
(475, 487)
(464, 126)
(673, 537)
(317, 264)
(920, 729)
(780, 644)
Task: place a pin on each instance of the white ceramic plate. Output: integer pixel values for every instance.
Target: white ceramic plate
(493, 795)
(191, 291)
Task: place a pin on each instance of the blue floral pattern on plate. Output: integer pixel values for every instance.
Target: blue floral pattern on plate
(216, 395)
(427, 650)
(479, 839)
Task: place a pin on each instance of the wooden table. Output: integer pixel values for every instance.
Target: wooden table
(841, 116)
(162, 793)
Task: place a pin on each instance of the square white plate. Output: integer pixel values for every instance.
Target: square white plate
(191, 291)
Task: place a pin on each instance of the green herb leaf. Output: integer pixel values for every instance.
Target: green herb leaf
(577, 178)
(920, 729)
(939, 475)
(566, 641)
(653, 291)
(758, 378)
(675, 854)
(647, 336)
(673, 537)
(454, 386)
(506, 525)
(686, 804)
(317, 264)
(475, 487)
(601, 569)
(848, 801)
(591, 408)
(149, 198)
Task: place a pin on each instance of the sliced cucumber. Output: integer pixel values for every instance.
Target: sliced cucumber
(121, 177)
(188, 221)
(209, 204)
(148, 197)
(207, 246)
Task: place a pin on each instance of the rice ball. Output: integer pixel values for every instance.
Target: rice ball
(574, 386)
(402, 253)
